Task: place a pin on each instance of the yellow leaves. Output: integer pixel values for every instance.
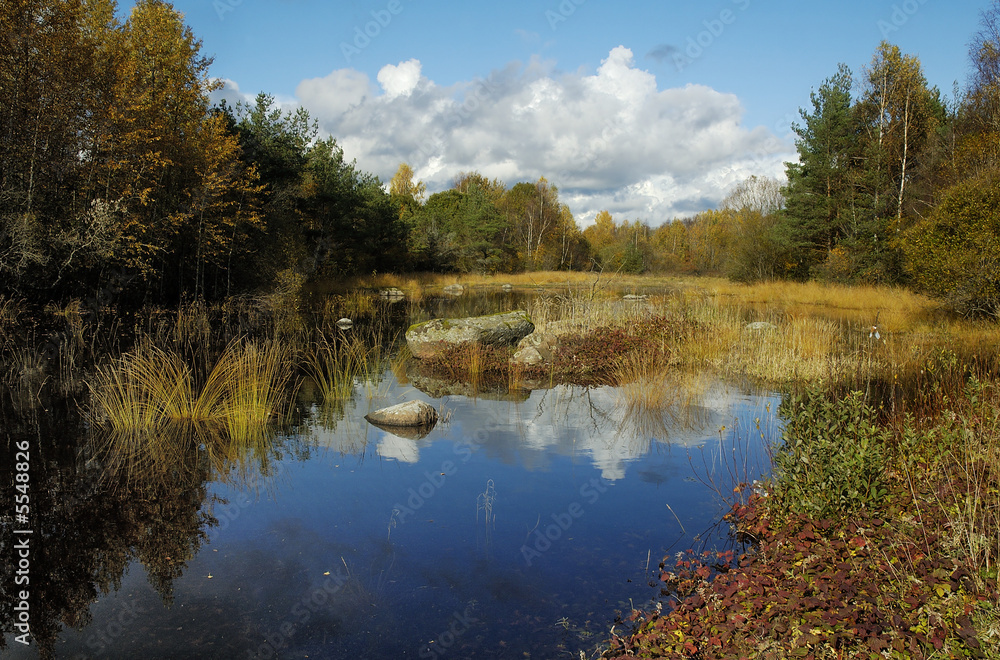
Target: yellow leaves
(402, 184)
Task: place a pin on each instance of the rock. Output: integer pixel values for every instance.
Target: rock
(454, 290)
(761, 325)
(634, 296)
(506, 288)
(392, 294)
(409, 414)
(429, 338)
(345, 323)
(537, 348)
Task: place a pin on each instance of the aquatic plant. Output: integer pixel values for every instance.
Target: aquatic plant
(251, 388)
(337, 366)
(148, 388)
(484, 505)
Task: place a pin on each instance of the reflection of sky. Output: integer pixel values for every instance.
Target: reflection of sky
(397, 448)
(405, 521)
(589, 423)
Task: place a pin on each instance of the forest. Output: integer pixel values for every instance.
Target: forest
(120, 178)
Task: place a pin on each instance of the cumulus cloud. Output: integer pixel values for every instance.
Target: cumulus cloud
(611, 139)
(399, 80)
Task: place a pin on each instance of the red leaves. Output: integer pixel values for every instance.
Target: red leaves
(812, 585)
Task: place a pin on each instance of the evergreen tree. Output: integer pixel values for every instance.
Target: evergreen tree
(818, 194)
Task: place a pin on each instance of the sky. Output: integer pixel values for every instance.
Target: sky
(651, 110)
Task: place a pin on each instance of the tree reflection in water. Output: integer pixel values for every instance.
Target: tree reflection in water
(98, 502)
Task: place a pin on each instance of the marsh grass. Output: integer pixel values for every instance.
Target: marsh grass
(962, 445)
(338, 365)
(149, 388)
(655, 398)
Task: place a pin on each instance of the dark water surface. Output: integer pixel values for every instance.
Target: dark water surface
(514, 529)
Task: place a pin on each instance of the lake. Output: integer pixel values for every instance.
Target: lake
(518, 527)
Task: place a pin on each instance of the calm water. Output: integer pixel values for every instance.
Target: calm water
(514, 529)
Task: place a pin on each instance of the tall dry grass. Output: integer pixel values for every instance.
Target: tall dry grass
(150, 388)
(656, 397)
(338, 365)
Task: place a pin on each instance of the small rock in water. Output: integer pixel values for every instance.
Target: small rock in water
(454, 289)
(411, 413)
(634, 296)
(506, 288)
(761, 325)
(345, 323)
(392, 293)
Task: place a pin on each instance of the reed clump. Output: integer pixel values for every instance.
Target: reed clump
(337, 366)
(149, 388)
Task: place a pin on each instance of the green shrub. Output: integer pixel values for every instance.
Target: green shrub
(830, 463)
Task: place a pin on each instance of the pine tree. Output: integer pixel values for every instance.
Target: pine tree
(817, 198)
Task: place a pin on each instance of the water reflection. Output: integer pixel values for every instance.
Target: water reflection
(89, 524)
(566, 420)
(518, 525)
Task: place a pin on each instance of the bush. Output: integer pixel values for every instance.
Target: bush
(831, 461)
(953, 253)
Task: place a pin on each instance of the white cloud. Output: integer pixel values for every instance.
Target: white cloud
(611, 139)
(399, 80)
(330, 98)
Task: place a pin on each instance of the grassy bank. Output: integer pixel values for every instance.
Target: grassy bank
(880, 340)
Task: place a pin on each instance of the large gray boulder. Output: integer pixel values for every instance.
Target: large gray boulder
(430, 338)
(409, 414)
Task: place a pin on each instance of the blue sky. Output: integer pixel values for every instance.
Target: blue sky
(652, 110)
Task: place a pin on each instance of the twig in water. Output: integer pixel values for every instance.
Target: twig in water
(678, 521)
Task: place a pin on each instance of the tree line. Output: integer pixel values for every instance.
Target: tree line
(118, 174)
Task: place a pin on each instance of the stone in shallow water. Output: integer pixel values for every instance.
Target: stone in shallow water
(411, 413)
(430, 338)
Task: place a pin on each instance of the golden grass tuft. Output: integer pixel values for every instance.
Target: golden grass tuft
(149, 388)
(338, 366)
(655, 397)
